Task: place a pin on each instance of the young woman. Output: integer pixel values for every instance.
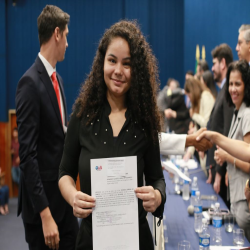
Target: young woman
(116, 115)
(202, 104)
(238, 94)
(208, 80)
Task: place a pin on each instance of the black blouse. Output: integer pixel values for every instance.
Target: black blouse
(83, 143)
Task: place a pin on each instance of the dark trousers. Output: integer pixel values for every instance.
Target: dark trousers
(68, 230)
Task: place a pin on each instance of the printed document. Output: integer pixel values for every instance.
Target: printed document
(115, 217)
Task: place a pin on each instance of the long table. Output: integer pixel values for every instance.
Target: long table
(180, 225)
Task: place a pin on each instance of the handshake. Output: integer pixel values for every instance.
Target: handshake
(175, 144)
(198, 140)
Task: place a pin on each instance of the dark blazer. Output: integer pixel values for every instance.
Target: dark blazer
(220, 121)
(179, 124)
(41, 138)
(176, 102)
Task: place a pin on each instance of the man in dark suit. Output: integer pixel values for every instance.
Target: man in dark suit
(42, 119)
(220, 118)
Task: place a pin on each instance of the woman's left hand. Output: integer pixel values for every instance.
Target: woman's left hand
(151, 198)
(220, 156)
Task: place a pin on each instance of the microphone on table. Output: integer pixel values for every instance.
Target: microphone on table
(190, 210)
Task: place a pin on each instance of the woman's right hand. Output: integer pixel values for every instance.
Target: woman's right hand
(83, 204)
(220, 156)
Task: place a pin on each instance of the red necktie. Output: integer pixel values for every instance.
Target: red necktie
(56, 88)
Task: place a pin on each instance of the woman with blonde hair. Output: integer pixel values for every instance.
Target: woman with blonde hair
(202, 102)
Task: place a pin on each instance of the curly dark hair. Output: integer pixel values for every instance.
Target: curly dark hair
(141, 97)
(243, 67)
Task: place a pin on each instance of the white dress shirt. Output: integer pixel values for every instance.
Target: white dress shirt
(50, 70)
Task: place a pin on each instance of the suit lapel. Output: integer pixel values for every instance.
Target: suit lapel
(234, 124)
(49, 87)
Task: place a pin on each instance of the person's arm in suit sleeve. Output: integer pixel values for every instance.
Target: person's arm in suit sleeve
(28, 121)
(227, 118)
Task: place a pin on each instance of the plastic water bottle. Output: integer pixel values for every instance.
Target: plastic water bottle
(165, 229)
(185, 190)
(217, 223)
(204, 236)
(194, 188)
(197, 213)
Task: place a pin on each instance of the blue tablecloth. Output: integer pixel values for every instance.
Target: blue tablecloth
(180, 226)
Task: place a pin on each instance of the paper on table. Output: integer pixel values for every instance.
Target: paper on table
(190, 164)
(170, 167)
(115, 217)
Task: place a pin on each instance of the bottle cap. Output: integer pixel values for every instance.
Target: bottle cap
(204, 220)
(197, 193)
(217, 204)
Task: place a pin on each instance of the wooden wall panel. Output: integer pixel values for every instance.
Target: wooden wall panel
(11, 125)
(5, 155)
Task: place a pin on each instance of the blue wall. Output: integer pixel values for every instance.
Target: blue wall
(161, 22)
(210, 23)
(3, 81)
(172, 27)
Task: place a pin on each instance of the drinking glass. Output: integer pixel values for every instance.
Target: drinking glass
(229, 223)
(184, 245)
(238, 237)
